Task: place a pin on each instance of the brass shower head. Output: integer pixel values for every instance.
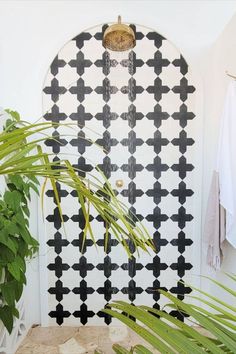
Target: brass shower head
(119, 37)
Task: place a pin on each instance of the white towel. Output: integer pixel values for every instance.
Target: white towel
(214, 230)
(226, 162)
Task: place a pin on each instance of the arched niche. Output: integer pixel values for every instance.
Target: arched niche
(141, 107)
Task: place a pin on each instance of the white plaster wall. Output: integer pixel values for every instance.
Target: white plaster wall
(32, 32)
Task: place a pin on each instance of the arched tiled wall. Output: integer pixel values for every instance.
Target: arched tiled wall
(141, 104)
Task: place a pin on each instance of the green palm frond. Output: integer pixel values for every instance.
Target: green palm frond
(167, 334)
(21, 153)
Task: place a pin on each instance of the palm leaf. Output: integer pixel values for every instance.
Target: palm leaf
(156, 342)
(118, 349)
(21, 153)
(168, 334)
(219, 320)
(140, 349)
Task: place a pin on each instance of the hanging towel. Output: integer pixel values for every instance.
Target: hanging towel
(226, 162)
(214, 231)
(223, 188)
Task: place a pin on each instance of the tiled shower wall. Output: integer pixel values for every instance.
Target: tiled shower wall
(140, 107)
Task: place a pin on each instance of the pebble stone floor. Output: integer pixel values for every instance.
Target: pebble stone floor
(61, 340)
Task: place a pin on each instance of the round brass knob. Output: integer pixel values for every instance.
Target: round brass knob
(119, 183)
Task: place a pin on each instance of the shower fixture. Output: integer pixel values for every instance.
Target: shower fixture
(119, 37)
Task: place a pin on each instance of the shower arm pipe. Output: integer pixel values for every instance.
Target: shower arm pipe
(230, 75)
